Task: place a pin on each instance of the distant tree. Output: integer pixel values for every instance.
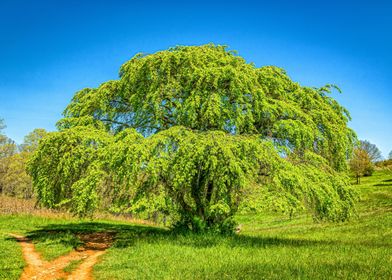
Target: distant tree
(372, 150)
(14, 180)
(7, 145)
(2, 136)
(360, 163)
(2, 125)
(7, 149)
(390, 155)
(32, 139)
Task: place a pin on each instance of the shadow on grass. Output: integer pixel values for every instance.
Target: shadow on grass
(382, 185)
(131, 235)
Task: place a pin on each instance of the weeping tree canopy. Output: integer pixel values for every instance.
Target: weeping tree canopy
(197, 133)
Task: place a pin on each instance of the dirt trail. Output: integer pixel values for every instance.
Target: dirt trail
(94, 246)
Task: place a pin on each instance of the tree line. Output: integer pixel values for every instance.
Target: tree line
(14, 179)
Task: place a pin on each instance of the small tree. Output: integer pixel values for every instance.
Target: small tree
(360, 163)
(390, 155)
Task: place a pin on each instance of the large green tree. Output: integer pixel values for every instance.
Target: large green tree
(196, 132)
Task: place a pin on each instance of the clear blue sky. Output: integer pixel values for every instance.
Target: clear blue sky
(51, 49)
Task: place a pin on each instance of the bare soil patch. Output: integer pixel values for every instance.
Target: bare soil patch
(88, 254)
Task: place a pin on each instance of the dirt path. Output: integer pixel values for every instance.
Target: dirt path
(94, 246)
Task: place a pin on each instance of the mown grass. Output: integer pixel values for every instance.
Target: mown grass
(269, 246)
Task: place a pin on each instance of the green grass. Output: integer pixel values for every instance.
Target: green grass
(55, 244)
(72, 265)
(11, 261)
(269, 246)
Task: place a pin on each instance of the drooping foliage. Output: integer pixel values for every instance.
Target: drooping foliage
(63, 164)
(209, 88)
(194, 132)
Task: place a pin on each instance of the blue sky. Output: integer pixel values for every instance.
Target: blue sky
(51, 49)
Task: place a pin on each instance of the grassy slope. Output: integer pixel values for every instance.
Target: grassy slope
(269, 246)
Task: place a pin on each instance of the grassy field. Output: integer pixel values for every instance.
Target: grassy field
(268, 247)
